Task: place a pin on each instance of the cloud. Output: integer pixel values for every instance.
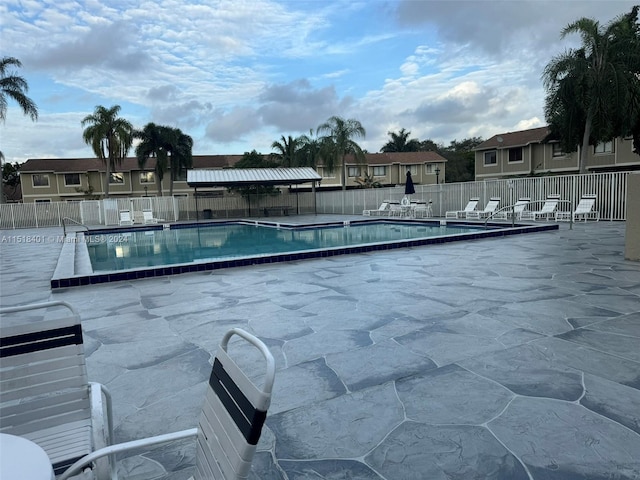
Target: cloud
(227, 127)
(296, 106)
(103, 45)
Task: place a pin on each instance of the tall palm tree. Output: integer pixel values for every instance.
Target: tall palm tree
(588, 87)
(110, 138)
(400, 142)
(287, 150)
(309, 151)
(180, 148)
(338, 142)
(155, 141)
(15, 87)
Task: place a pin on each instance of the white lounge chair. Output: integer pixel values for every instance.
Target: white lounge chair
(383, 209)
(147, 217)
(517, 210)
(547, 212)
(471, 206)
(125, 218)
(585, 210)
(46, 396)
(230, 423)
(491, 207)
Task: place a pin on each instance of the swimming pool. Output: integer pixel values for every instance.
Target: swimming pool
(114, 255)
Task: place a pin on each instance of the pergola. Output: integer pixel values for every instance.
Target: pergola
(242, 177)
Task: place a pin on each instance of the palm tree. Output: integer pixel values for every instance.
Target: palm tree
(155, 141)
(588, 88)
(287, 150)
(309, 151)
(338, 143)
(15, 87)
(110, 138)
(400, 143)
(180, 147)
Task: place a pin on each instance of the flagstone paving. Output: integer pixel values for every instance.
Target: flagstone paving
(509, 358)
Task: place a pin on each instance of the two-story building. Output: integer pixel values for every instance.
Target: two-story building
(534, 151)
(74, 179)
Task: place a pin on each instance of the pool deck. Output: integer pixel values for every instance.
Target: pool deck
(509, 358)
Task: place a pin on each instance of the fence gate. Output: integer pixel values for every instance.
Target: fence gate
(90, 213)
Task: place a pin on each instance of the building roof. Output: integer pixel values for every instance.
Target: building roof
(81, 165)
(404, 158)
(231, 177)
(515, 139)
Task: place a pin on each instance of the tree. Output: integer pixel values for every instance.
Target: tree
(254, 159)
(287, 151)
(400, 142)
(310, 150)
(338, 142)
(181, 147)
(15, 87)
(154, 142)
(460, 159)
(110, 138)
(10, 176)
(593, 92)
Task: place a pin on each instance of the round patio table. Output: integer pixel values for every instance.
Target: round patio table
(21, 459)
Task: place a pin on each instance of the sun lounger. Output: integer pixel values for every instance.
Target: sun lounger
(125, 218)
(547, 212)
(383, 209)
(147, 217)
(491, 207)
(515, 211)
(471, 206)
(585, 210)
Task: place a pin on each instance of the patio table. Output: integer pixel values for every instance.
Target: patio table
(21, 458)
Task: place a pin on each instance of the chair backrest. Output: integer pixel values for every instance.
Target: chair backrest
(125, 215)
(147, 215)
(233, 414)
(43, 381)
(521, 204)
(586, 203)
(550, 204)
(492, 204)
(383, 206)
(471, 206)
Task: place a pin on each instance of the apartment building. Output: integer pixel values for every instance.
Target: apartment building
(530, 152)
(74, 179)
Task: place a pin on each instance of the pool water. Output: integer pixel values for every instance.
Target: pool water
(148, 248)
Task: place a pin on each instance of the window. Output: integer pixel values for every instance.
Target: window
(40, 180)
(72, 179)
(411, 168)
(181, 175)
(353, 171)
(326, 173)
(490, 158)
(428, 168)
(604, 147)
(116, 178)
(556, 150)
(43, 200)
(379, 171)
(147, 177)
(515, 155)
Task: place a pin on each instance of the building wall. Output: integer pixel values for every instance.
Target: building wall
(539, 158)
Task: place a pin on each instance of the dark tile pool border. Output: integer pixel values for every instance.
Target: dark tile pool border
(498, 230)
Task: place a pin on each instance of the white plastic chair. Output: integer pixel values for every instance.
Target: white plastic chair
(585, 210)
(125, 218)
(489, 209)
(547, 212)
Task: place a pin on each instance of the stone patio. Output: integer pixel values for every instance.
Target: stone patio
(509, 358)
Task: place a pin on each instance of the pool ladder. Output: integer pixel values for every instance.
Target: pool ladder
(64, 225)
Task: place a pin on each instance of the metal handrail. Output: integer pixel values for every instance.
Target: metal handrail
(64, 226)
(512, 207)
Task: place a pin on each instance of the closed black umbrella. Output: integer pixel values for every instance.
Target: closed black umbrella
(409, 189)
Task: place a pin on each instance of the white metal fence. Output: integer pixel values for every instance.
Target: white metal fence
(610, 189)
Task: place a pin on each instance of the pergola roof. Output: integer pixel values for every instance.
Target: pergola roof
(233, 177)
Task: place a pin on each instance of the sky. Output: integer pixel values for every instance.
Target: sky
(237, 75)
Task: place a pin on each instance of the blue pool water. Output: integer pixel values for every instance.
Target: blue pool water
(152, 248)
